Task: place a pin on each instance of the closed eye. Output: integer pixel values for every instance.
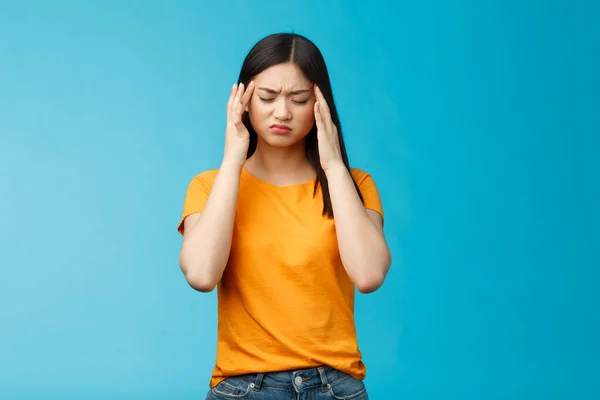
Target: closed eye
(270, 100)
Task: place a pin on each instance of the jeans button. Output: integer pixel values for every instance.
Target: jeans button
(298, 380)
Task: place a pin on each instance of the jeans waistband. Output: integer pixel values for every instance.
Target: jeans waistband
(302, 378)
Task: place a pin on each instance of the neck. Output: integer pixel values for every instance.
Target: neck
(279, 161)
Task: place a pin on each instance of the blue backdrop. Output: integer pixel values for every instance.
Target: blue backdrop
(479, 121)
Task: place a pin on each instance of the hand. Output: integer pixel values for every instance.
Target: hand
(237, 137)
(328, 141)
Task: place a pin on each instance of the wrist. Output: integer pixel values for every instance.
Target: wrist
(335, 169)
(233, 166)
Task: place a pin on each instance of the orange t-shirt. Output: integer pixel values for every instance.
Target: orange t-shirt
(285, 300)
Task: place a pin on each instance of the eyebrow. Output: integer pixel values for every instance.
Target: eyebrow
(276, 92)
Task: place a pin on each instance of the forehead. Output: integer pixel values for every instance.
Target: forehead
(283, 76)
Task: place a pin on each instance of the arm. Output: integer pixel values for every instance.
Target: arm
(207, 236)
(363, 248)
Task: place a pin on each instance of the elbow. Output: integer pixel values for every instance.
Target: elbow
(369, 284)
(200, 284)
(198, 280)
(373, 280)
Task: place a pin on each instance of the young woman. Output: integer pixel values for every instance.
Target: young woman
(285, 230)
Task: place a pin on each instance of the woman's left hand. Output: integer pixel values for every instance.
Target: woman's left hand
(327, 134)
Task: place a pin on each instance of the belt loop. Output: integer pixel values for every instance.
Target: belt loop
(325, 384)
(257, 382)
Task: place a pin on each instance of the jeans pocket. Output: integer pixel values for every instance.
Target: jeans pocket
(232, 388)
(347, 388)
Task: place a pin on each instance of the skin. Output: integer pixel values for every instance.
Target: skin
(282, 95)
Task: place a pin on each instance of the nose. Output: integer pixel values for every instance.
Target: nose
(282, 111)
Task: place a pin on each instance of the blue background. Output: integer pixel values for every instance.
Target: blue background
(479, 121)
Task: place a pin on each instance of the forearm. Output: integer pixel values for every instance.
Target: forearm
(206, 246)
(362, 245)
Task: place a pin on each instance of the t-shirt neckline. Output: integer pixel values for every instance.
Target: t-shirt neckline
(265, 183)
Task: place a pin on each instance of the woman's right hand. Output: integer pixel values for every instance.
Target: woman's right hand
(237, 137)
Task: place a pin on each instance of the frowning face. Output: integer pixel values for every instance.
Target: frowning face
(281, 109)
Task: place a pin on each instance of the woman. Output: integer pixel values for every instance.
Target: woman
(285, 230)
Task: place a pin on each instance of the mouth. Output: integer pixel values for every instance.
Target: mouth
(280, 129)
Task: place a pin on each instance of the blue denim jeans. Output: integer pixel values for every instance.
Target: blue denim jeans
(308, 384)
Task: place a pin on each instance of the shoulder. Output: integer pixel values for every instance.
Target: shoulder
(202, 182)
(368, 189)
(360, 176)
(206, 177)
(365, 182)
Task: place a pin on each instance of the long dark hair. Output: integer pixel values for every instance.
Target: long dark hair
(285, 47)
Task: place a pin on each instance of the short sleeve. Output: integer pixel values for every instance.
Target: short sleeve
(369, 191)
(196, 195)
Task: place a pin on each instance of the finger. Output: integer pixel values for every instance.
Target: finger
(238, 95)
(231, 96)
(321, 98)
(324, 110)
(323, 104)
(318, 93)
(235, 101)
(248, 94)
(318, 117)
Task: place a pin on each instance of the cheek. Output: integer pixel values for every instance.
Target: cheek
(254, 105)
(256, 110)
(259, 114)
(306, 116)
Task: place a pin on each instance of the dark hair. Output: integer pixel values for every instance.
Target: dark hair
(285, 47)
